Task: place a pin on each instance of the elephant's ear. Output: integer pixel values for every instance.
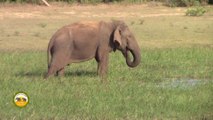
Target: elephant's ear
(117, 36)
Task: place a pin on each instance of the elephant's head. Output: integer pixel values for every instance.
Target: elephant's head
(125, 41)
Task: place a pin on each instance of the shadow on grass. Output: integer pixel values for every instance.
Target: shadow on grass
(81, 73)
(31, 74)
(67, 73)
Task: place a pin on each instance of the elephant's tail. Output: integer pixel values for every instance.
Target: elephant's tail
(49, 52)
(48, 56)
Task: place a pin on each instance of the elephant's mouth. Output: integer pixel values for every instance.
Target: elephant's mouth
(132, 60)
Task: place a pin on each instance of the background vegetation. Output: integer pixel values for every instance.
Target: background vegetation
(195, 11)
(172, 3)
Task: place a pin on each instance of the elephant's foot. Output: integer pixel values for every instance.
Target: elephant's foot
(60, 72)
(51, 71)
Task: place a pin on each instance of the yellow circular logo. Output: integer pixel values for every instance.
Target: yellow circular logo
(21, 99)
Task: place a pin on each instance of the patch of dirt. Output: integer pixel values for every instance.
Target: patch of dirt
(87, 11)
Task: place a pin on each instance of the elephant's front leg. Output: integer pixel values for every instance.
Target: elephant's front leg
(102, 60)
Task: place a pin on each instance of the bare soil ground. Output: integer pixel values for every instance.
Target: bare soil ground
(88, 11)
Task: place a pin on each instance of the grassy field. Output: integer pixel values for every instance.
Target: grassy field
(173, 81)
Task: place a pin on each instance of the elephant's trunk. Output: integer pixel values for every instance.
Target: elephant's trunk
(136, 57)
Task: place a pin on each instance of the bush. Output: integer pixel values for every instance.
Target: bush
(21, 1)
(195, 11)
(184, 3)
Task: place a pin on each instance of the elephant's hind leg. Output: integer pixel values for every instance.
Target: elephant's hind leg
(57, 65)
(60, 72)
(51, 71)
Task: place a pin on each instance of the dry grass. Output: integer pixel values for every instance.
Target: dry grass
(30, 27)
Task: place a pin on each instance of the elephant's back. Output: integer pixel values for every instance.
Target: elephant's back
(84, 25)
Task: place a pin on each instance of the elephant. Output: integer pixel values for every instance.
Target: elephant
(85, 40)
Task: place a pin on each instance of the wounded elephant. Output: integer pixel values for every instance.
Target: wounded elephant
(83, 41)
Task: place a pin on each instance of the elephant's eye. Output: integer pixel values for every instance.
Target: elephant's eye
(129, 36)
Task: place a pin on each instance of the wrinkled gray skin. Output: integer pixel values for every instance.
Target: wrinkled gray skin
(83, 41)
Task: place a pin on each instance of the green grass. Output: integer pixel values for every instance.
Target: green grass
(128, 94)
(173, 81)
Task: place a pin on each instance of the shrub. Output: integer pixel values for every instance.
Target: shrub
(184, 3)
(195, 11)
(21, 1)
